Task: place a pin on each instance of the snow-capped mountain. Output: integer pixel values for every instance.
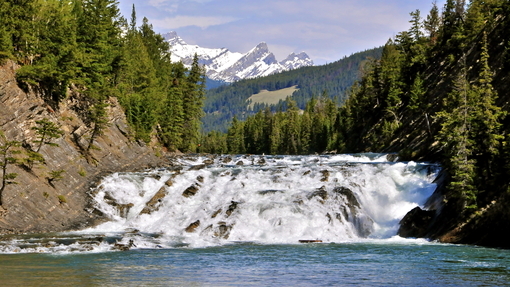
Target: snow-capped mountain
(222, 64)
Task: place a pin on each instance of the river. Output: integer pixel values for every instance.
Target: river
(255, 220)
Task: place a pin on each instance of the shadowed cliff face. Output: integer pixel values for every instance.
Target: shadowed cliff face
(35, 204)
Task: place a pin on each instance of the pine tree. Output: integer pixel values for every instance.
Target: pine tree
(8, 151)
(457, 141)
(487, 122)
(432, 23)
(46, 131)
(193, 94)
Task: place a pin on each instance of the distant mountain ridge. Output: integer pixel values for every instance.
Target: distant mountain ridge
(224, 65)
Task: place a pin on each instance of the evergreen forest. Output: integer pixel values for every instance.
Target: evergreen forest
(439, 92)
(85, 51)
(334, 80)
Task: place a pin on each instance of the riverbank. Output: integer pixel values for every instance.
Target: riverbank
(38, 203)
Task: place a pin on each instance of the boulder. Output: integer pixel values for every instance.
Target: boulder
(190, 191)
(192, 226)
(153, 204)
(321, 192)
(416, 223)
(325, 175)
(231, 208)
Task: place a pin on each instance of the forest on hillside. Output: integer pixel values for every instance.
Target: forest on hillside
(85, 51)
(332, 80)
(439, 92)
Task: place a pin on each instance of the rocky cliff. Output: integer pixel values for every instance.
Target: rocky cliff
(37, 204)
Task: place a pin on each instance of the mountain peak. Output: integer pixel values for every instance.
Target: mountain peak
(173, 38)
(222, 64)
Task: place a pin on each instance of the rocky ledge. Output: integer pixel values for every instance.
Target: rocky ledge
(38, 204)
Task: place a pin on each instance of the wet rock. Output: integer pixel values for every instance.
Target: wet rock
(191, 228)
(124, 247)
(223, 230)
(124, 209)
(349, 195)
(169, 182)
(231, 208)
(153, 204)
(364, 225)
(156, 176)
(325, 175)
(393, 157)
(307, 172)
(190, 191)
(216, 213)
(240, 162)
(321, 192)
(416, 223)
(298, 201)
(200, 179)
(269, 191)
(197, 167)
(310, 241)
(329, 217)
(261, 161)
(226, 159)
(208, 161)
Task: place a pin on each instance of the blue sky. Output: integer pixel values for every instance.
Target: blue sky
(326, 30)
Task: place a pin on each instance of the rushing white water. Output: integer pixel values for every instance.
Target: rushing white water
(263, 199)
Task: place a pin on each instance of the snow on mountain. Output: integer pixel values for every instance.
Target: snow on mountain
(222, 64)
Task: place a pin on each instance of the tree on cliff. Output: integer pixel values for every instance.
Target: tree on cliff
(7, 157)
(46, 131)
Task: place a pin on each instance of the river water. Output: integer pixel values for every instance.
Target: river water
(242, 220)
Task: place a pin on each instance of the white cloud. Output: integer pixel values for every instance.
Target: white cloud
(186, 21)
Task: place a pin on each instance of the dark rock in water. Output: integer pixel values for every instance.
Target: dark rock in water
(223, 230)
(321, 192)
(325, 175)
(240, 162)
(156, 176)
(261, 161)
(216, 213)
(329, 217)
(208, 161)
(349, 195)
(192, 226)
(269, 191)
(307, 172)
(197, 167)
(226, 159)
(310, 241)
(124, 247)
(298, 201)
(393, 157)
(416, 223)
(124, 209)
(200, 179)
(169, 182)
(153, 204)
(231, 208)
(190, 191)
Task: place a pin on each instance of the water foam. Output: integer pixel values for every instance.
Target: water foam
(264, 199)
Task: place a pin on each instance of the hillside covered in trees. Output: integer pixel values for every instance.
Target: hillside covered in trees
(439, 92)
(334, 80)
(86, 51)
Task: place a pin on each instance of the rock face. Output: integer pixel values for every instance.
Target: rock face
(416, 223)
(35, 205)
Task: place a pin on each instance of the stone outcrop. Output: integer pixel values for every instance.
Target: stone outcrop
(35, 204)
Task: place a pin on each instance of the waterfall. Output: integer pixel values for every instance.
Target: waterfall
(212, 201)
(203, 201)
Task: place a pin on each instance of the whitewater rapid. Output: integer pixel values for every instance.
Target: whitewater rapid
(210, 201)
